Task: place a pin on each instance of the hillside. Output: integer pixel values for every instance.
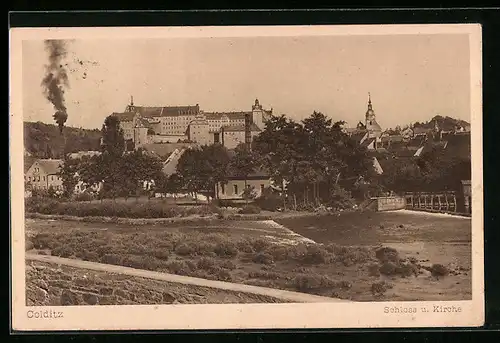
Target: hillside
(445, 123)
(44, 140)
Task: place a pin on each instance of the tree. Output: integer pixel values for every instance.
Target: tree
(68, 173)
(170, 184)
(113, 141)
(243, 163)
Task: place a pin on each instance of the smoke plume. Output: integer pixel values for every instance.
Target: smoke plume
(56, 80)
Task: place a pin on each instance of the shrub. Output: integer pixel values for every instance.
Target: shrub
(85, 196)
(249, 209)
(340, 198)
(223, 275)
(260, 245)
(263, 258)
(161, 254)
(386, 254)
(62, 251)
(226, 249)
(407, 269)
(28, 245)
(307, 282)
(388, 268)
(438, 270)
(269, 200)
(228, 265)
(111, 259)
(186, 249)
(152, 209)
(206, 263)
(380, 288)
(245, 246)
(180, 267)
(349, 255)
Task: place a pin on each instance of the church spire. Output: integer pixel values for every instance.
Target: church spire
(369, 101)
(131, 100)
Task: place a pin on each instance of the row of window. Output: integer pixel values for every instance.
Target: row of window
(56, 188)
(37, 178)
(235, 188)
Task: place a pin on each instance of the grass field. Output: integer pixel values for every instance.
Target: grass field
(345, 265)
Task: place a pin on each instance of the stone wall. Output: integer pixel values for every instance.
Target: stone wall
(390, 203)
(53, 285)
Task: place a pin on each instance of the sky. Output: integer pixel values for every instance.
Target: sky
(410, 77)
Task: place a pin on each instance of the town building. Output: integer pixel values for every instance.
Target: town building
(234, 188)
(144, 125)
(43, 174)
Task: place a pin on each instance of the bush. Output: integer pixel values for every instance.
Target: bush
(388, 268)
(230, 265)
(186, 249)
(269, 200)
(152, 209)
(311, 254)
(263, 258)
(438, 270)
(85, 196)
(380, 288)
(340, 198)
(180, 267)
(249, 209)
(206, 263)
(386, 254)
(226, 249)
(260, 245)
(307, 282)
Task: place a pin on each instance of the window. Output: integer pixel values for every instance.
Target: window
(29, 178)
(262, 188)
(38, 178)
(223, 189)
(235, 189)
(43, 178)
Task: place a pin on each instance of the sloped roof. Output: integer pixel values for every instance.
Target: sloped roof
(358, 135)
(124, 116)
(239, 128)
(368, 141)
(230, 115)
(49, 166)
(166, 111)
(392, 138)
(164, 150)
(28, 162)
(170, 165)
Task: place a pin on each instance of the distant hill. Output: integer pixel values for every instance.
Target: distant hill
(44, 140)
(444, 123)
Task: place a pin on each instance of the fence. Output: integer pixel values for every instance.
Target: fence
(443, 201)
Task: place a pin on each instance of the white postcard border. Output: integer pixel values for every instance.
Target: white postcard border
(240, 316)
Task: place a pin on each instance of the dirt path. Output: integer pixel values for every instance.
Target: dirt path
(275, 293)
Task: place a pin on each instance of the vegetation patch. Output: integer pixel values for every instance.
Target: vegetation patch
(152, 209)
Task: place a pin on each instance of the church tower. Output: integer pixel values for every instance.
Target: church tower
(373, 128)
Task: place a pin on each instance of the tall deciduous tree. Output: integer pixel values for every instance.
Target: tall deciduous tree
(68, 173)
(113, 141)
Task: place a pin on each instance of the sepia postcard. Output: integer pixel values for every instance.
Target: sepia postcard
(246, 177)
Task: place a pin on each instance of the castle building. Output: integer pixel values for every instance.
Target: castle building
(169, 124)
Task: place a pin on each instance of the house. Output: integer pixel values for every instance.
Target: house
(43, 174)
(235, 186)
